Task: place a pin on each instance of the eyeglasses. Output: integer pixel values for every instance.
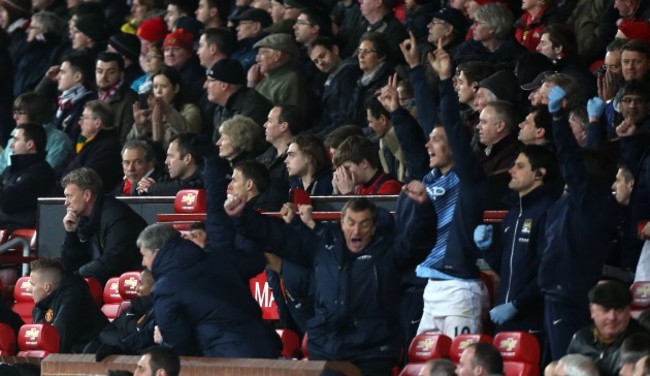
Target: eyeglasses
(303, 23)
(635, 100)
(477, 22)
(87, 118)
(436, 21)
(19, 112)
(363, 52)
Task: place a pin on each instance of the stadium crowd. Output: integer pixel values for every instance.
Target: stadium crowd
(540, 108)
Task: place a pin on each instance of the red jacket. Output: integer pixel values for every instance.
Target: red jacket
(528, 30)
(380, 184)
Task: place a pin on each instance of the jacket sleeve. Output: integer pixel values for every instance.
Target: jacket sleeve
(412, 139)
(24, 191)
(74, 253)
(467, 166)
(70, 313)
(295, 243)
(416, 236)
(596, 135)
(175, 327)
(424, 100)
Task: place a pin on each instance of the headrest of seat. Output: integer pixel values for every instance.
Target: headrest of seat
(38, 337)
(190, 201)
(518, 347)
(460, 343)
(112, 291)
(641, 294)
(129, 284)
(426, 346)
(519, 368)
(22, 290)
(7, 339)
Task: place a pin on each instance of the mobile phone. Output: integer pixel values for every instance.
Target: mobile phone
(143, 101)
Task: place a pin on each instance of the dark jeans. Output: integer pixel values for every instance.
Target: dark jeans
(561, 321)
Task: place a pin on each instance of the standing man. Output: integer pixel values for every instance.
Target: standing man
(100, 230)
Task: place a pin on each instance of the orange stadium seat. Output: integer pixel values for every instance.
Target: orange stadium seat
(640, 297)
(190, 201)
(38, 340)
(112, 298)
(7, 340)
(424, 347)
(23, 302)
(96, 290)
(129, 285)
(520, 352)
(460, 343)
(290, 343)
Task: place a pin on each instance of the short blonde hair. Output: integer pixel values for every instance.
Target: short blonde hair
(244, 133)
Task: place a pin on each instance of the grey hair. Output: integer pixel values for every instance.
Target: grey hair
(578, 365)
(86, 179)
(442, 367)
(497, 17)
(155, 236)
(50, 22)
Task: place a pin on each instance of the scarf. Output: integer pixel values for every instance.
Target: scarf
(69, 97)
(107, 95)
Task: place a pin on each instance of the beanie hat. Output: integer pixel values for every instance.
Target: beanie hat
(504, 85)
(636, 30)
(93, 25)
(128, 45)
(610, 294)
(17, 8)
(179, 38)
(229, 71)
(153, 30)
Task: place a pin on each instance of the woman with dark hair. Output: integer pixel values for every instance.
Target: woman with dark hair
(166, 114)
(374, 61)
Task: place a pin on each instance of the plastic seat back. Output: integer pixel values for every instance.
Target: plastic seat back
(23, 301)
(112, 298)
(427, 345)
(7, 340)
(460, 343)
(38, 340)
(129, 285)
(640, 297)
(290, 343)
(96, 290)
(190, 201)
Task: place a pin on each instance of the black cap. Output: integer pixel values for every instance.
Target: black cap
(93, 25)
(504, 85)
(454, 17)
(228, 71)
(537, 82)
(128, 45)
(256, 15)
(611, 294)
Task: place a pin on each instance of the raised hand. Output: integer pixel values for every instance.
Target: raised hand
(627, 128)
(288, 212)
(234, 205)
(70, 221)
(440, 61)
(53, 72)
(343, 181)
(388, 95)
(254, 75)
(416, 191)
(306, 213)
(144, 184)
(556, 99)
(410, 51)
(140, 116)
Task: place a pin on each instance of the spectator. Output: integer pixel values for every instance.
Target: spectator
(466, 86)
(28, 178)
(212, 13)
(282, 83)
(138, 162)
(189, 324)
(312, 23)
(390, 150)
(111, 89)
(250, 30)
(127, 45)
(642, 367)
(198, 234)
(151, 61)
(309, 166)
(337, 136)
(579, 121)
(419, 14)
(34, 108)
(100, 230)
(241, 139)
(283, 123)
(100, 149)
(502, 85)
(140, 10)
(179, 54)
(183, 164)
(168, 113)
(358, 170)
(89, 34)
(152, 30)
(633, 348)
(158, 360)
(610, 74)
(492, 39)
(480, 359)
(497, 124)
(177, 9)
(225, 86)
(64, 301)
(576, 364)
(438, 367)
(215, 44)
(528, 28)
(536, 127)
(372, 345)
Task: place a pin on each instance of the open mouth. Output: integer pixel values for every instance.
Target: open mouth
(356, 241)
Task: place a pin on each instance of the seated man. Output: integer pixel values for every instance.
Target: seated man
(575, 364)
(353, 321)
(183, 164)
(358, 170)
(100, 230)
(201, 304)
(536, 127)
(610, 311)
(159, 361)
(138, 162)
(309, 166)
(28, 178)
(480, 359)
(64, 301)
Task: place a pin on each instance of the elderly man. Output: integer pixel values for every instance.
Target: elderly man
(609, 304)
(282, 82)
(100, 230)
(496, 127)
(138, 162)
(250, 29)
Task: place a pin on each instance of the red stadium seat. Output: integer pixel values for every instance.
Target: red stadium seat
(412, 369)
(96, 290)
(129, 285)
(190, 201)
(112, 298)
(303, 347)
(23, 302)
(640, 297)
(520, 353)
(15, 256)
(290, 343)
(7, 340)
(460, 343)
(4, 234)
(38, 340)
(424, 347)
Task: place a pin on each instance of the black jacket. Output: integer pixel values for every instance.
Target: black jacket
(112, 231)
(28, 178)
(247, 102)
(73, 312)
(203, 308)
(356, 317)
(169, 187)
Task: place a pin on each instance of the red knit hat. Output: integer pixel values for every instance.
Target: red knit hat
(153, 30)
(636, 30)
(179, 38)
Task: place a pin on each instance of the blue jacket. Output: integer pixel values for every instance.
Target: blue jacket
(321, 186)
(203, 308)
(579, 226)
(355, 295)
(516, 258)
